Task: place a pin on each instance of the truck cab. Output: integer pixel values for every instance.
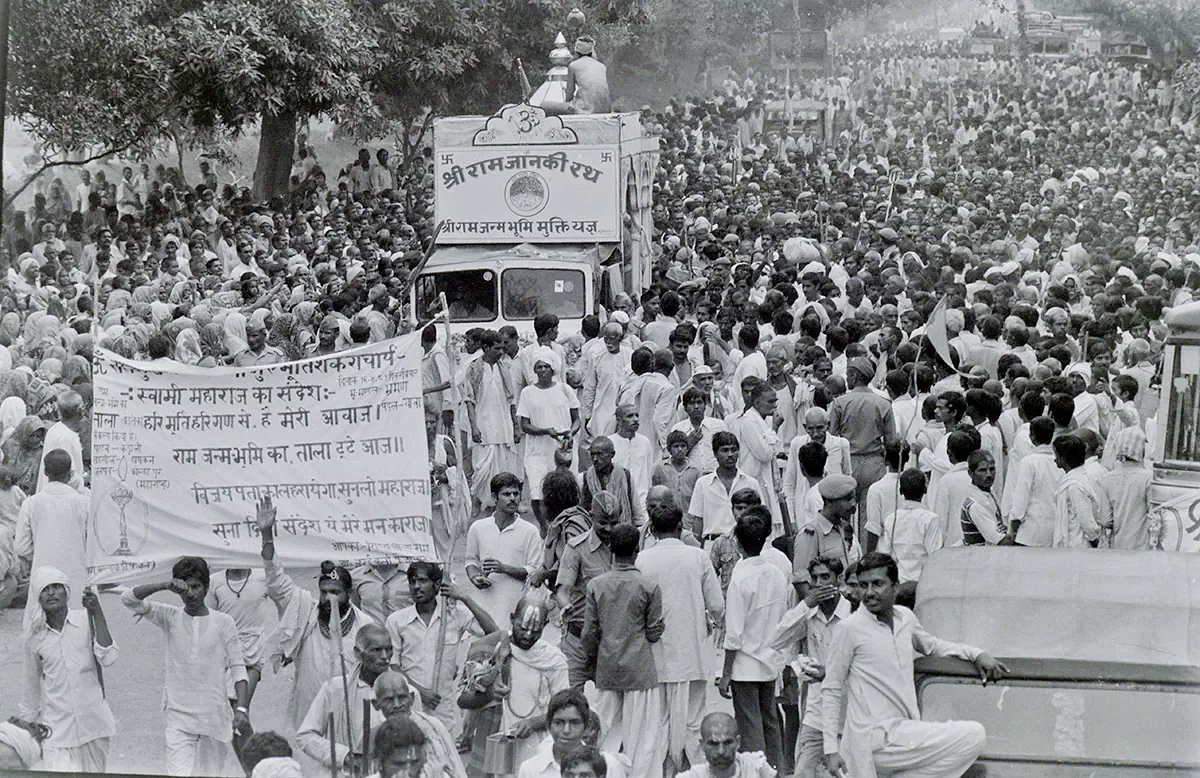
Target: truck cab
(493, 286)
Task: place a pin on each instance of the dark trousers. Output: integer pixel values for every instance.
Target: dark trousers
(758, 719)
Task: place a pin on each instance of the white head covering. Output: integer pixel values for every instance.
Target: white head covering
(547, 355)
(12, 410)
(21, 742)
(1130, 445)
(35, 617)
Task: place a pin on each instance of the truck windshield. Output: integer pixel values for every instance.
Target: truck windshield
(1057, 722)
(529, 292)
(1183, 438)
(470, 294)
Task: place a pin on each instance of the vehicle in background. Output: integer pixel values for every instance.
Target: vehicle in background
(1128, 48)
(797, 117)
(1175, 435)
(1048, 43)
(1103, 652)
(537, 213)
(951, 34)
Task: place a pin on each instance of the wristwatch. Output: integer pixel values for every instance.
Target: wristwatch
(242, 709)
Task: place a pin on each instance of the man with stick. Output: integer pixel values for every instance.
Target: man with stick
(426, 635)
(304, 635)
(345, 703)
(64, 687)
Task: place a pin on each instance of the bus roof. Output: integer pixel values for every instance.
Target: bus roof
(1140, 607)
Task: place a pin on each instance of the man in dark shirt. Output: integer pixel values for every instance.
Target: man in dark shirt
(864, 419)
(622, 617)
(586, 557)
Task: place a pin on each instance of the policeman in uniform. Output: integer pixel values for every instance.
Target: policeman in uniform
(831, 535)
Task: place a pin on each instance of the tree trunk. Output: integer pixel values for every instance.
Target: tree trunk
(276, 146)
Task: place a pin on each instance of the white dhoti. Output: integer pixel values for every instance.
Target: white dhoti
(88, 758)
(683, 706)
(190, 754)
(632, 723)
(489, 460)
(927, 749)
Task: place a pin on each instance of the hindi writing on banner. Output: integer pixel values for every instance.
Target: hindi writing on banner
(555, 194)
(181, 456)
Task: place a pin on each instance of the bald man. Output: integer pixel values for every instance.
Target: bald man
(720, 742)
(373, 652)
(837, 457)
(605, 475)
(64, 434)
(395, 698)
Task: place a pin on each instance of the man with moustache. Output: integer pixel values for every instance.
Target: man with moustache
(304, 634)
(869, 665)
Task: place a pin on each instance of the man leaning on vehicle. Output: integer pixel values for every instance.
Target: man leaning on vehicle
(871, 661)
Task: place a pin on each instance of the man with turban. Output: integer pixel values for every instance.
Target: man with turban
(64, 686)
(308, 634)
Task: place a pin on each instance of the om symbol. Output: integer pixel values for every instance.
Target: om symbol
(526, 121)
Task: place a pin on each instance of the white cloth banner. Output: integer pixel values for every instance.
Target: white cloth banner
(181, 455)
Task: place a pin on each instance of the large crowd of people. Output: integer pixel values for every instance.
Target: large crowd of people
(941, 326)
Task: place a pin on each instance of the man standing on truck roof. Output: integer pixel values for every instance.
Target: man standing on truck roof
(870, 662)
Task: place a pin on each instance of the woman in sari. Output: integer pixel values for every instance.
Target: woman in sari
(76, 370)
(187, 347)
(235, 335)
(23, 452)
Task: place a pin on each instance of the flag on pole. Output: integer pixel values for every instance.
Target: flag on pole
(938, 335)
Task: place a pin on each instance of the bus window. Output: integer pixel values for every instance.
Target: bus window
(529, 292)
(470, 294)
(1183, 438)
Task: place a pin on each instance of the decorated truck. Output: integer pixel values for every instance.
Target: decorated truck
(1175, 432)
(538, 213)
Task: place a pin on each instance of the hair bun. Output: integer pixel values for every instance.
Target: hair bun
(327, 567)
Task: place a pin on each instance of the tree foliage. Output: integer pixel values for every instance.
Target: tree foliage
(130, 73)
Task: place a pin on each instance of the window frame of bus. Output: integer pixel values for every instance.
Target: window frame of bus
(430, 278)
(581, 291)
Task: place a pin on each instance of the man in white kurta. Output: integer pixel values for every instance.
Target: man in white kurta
(603, 373)
(870, 673)
(503, 550)
(634, 453)
(52, 526)
(63, 688)
(691, 600)
(304, 636)
(758, 445)
(491, 413)
(64, 434)
(201, 646)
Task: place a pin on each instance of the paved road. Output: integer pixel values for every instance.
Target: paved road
(134, 686)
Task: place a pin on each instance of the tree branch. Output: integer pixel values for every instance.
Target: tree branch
(8, 201)
(117, 149)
